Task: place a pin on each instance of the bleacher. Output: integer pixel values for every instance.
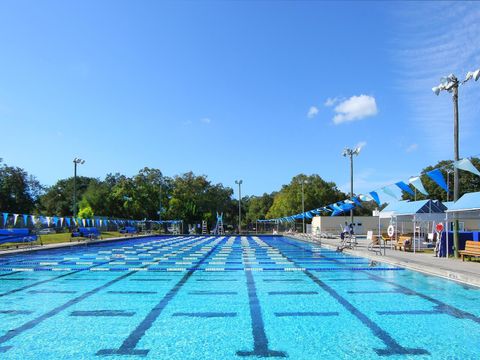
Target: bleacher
(128, 230)
(87, 232)
(17, 236)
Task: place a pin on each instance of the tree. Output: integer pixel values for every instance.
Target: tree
(258, 207)
(58, 199)
(19, 191)
(317, 193)
(194, 198)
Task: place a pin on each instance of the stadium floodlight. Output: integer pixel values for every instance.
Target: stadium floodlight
(349, 152)
(76, 162)
(450, 83)
(239, 183)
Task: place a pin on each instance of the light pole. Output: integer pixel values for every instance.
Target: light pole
(450, 83)
(239, 183)
(76, 161)
(350, 153)
(303, 204)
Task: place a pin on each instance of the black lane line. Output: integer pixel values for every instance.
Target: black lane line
(282, 280)
(292, 293)
(46, 291)
(106, 313)
(260, 340)
(207, 314)
(306, 313)
(217, 280)
(375, 292)
(150, 279)
(34, 322)
(67, 274)
(208, 292)
(16, 312)
(393, 347)
(410, 312)
(441, 306)
(129, 344)
(9, 273)
(132, 292)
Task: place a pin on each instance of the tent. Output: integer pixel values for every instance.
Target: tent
(422, 215)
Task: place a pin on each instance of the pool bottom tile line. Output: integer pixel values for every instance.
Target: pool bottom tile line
(260, 340)
(128, 346)
(34, 322)
(392, 346)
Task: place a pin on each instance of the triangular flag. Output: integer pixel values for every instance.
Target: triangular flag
(25, 220)
(15, 217)
(405, 187)
(61, 222)
(83, 222)
(375, 197)
(466, 164)
(33, 218)
(48, 220)
(389, 192)
(437, 176)
(67, 220)
(417, 184)
(5, 217)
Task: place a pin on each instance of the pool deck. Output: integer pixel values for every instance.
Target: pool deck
(466, 272)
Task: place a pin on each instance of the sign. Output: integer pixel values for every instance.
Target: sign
(439, 227)
(391, 230)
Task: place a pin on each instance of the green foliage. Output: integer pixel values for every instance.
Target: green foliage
(19, 191)
(86, 212)
(317, 193)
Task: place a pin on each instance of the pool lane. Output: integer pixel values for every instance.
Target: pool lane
(228, 298)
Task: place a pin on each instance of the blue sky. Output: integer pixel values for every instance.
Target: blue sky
(260, 91)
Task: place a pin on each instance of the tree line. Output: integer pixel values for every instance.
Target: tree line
(189, 197)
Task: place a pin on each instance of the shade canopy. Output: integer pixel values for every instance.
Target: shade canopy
(421, 210)
(468, 202)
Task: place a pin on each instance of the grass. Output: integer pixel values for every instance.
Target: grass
(62, 238)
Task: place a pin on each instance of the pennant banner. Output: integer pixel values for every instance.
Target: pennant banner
(15, 217)
(437, 176)
(405, 187)
(417, 184)
(375, 197)
(5, 217)
(466, 165)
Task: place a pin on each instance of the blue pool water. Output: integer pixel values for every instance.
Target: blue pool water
(227, 298)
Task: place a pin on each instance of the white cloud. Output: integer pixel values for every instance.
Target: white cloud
(312, 112)
(411, 148)
(355, 108)
(331, 101)
(206, 120)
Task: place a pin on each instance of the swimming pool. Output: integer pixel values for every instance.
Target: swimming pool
(194, 297)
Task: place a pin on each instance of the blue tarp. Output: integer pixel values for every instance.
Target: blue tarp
(414, 207)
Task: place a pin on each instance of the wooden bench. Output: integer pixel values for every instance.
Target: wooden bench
(404, 243)
(472, 248)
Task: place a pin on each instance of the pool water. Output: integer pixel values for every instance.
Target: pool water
(199, 297)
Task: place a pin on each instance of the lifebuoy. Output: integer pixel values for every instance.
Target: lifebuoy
(391, 230)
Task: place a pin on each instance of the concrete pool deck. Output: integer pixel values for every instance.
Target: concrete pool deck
(466, 272)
